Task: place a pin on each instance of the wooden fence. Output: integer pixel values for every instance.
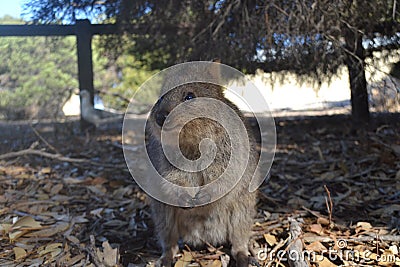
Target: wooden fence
(83, 30)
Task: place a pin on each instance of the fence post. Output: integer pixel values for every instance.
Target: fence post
(85, 65)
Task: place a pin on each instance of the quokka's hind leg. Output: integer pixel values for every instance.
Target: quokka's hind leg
(240, 231)
(167, 232)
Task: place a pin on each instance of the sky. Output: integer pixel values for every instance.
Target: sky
(10, 7)
(13, 8)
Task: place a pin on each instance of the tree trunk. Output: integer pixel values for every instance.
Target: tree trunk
(358, 83)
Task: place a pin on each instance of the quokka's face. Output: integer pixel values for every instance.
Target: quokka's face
(170, 116)
(184, 93)
(187, 93)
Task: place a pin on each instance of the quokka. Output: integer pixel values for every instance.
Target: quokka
(226, 221)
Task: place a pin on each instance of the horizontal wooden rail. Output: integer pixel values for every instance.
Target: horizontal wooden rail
(55, 30)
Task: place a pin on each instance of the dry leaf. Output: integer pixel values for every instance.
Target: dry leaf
(71, 180)
(19, 253)
(271, 240)
(184, 260)
(5, 228)
(51, 248)
(394, 250)
(363, 226)
(372, 256)
(73, 239)
(97, 212)
(16, 234)
(360, 248)
(205, 263)
(181, 263)
(45, 170)
(24, 176)
(316, 246)
(187, 256)
(109, 256)
(26, 222)
(215, 263)
(56, 252)
(75, 259)
(54, 229)
(98, 181)
(316, 228)
(387, 258)
(3, 210)
(80, 219)
(322, 221)
(25, 244)
(56, 189)
(97, 189)
(324, 262)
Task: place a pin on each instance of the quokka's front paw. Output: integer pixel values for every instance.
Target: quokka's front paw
(242, 260)
(163, 262)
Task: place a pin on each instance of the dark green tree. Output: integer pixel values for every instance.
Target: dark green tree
(342, 32)
(311, 37)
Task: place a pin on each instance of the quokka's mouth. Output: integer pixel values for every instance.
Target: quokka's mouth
(188, 202)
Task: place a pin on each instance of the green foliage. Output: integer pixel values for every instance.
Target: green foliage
(38, 74)
(120, 79)
(7, 19)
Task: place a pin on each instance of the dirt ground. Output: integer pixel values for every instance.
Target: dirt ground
(67, 198)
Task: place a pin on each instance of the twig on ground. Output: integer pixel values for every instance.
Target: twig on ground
(59, 157)
(44, 140)
(387, 238)
(296, 245)
(275, 249)
(329, 204)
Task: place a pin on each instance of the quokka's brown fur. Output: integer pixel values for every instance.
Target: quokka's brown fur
(226, 221)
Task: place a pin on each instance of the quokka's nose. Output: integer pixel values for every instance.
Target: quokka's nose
(161, 116)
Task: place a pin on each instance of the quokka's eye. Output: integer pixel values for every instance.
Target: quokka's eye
(189, 96)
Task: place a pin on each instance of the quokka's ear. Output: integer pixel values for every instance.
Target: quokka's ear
(215, 70)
